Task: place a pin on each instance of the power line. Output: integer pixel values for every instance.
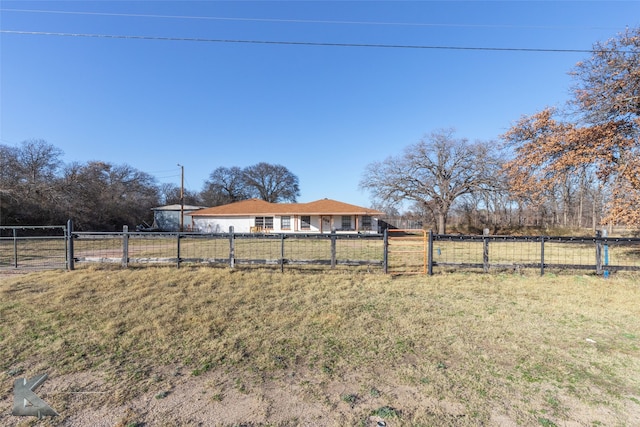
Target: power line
(294, 43)
(163, 170)
(305, 21)
(163, 176)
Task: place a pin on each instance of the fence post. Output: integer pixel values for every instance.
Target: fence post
(605, 246)
(333, 248)
(430, 254)
(598, 252)
(70, 259)
(485, 250)
(125, 246)
(542, 255)
(178, 250)
(385, 251)
(282, 253)
(232, 248)
(15, 248)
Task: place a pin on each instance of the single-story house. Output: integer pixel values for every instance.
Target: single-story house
(254, 215)
(167, 218)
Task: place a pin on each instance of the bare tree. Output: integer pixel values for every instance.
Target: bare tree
(225, 185)
(27, 182)
(38, 160)
(607, 87)
(9, 173)
(434, 173)
(102, 196)
(272, 183)
(170, 194)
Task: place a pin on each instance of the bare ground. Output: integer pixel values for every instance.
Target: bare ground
(294, 399)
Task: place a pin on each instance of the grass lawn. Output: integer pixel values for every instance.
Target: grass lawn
(211, 346)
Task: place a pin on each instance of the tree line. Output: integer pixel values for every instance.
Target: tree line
(576, 166)
(572, 167)
(37, 188)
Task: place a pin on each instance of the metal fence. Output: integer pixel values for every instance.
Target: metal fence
(599, 254)
(33, 248)
(394, 252)
(417, 251)
(230, 249)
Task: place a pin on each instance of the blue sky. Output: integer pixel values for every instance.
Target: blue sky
(323, 111)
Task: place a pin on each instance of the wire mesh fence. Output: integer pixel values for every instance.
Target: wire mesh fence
(598, 254)
(620, 254)
(395, 251)
(204, 249)
(230, 249)
(33, 248)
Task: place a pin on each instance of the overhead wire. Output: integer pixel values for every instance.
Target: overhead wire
(297, 43)
(303, 21)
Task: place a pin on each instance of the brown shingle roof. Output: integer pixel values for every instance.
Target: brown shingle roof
(260, 207)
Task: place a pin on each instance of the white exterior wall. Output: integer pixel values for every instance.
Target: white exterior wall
(315, 225)
(245, 223)
(221, 224)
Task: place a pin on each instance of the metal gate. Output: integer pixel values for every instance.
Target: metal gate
(407, 251)
(28, 248)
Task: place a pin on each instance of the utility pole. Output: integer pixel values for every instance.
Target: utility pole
(181, 197)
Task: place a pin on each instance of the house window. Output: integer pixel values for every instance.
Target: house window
(285, 223)
(346, 222)
(366, 222)
(305, 222)
(264, 222)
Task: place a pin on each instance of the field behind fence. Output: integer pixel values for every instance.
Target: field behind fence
(394, 252)
(230, 249)
(33, 248)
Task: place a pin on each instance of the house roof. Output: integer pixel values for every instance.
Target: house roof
(260, 207)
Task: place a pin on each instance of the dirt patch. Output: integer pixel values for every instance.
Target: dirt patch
(290, 399)
(211, 399)
(232, 399)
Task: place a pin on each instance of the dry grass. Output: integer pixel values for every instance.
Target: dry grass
(264, 348)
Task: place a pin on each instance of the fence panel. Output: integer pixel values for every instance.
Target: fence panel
(258, 249)
(620, 254)
(307, 249)
(33, 248)
(570, 253)
(407, 251)
(360, 249)
(97, 247)
(209, 249)
(148, 248)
